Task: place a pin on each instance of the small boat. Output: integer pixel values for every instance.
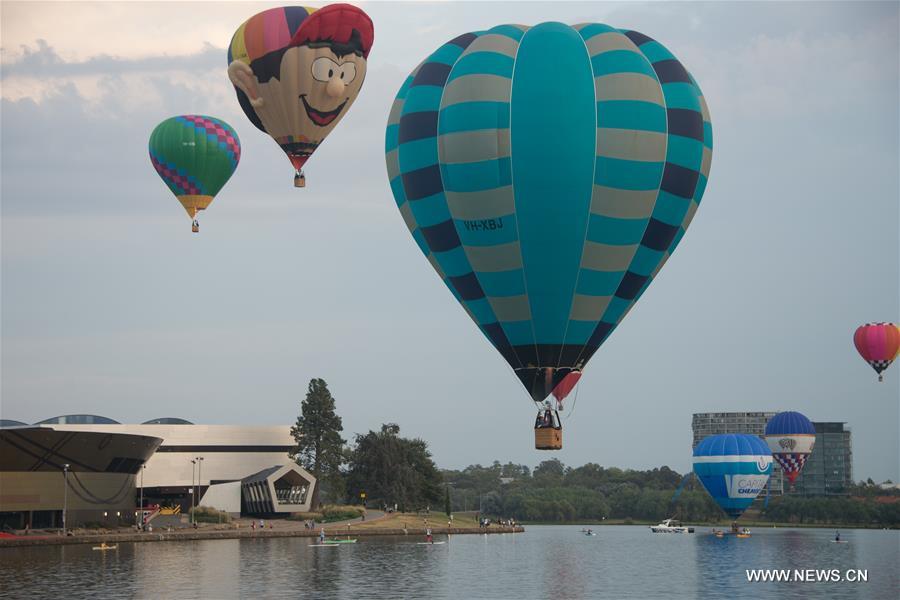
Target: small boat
(323, 545)
(671, 526)
(590, 533)
(430, 543)
(104, 546)
(840, 541)
(743, 535)
(347, 541)
(719, 534)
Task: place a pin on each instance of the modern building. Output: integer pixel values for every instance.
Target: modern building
(235, 468)
(829, 469)
(50, 475)
(706, 424)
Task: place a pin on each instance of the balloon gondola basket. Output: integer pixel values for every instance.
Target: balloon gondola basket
(548, 438)
(195, 227)
(299, 180)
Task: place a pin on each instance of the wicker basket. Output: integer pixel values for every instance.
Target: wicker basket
(547, 438)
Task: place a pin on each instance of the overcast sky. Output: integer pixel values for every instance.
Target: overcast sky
(111, 306)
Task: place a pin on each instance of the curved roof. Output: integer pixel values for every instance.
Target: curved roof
(78, 420)
(167, 421)
(10, 423)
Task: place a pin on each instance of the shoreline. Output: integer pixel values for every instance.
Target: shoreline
(227, 534)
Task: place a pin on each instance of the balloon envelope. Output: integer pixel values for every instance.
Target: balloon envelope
(548, 173)
(195, 155)
(878, 344)
(791, 438)
(297, 71)
(734, 468)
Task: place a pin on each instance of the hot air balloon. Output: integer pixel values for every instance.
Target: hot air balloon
(878, 344)
(297, 71)
(791, 438)
(734, 468)
(195, 155)
(547, 173)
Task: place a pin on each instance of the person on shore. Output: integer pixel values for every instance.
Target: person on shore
(253, 525)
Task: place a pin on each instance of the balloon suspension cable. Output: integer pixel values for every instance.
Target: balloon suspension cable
(574, 402)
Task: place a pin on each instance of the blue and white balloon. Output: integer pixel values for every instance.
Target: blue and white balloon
(734, 468)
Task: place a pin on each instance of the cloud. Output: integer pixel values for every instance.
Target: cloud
(42, 61)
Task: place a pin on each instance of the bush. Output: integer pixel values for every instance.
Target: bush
(207, 514)
(329, 513)
(305, 516)
(341, 512)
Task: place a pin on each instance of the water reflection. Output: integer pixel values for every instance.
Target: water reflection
(558, 562)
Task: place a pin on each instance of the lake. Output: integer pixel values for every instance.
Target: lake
(543, 562)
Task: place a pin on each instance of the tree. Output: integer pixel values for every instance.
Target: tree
(317, 434)
(393, 469)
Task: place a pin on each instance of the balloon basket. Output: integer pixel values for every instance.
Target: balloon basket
(547, 438)
(299, 181)
(195, 227)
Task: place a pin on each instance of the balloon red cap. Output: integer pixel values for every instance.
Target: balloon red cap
(336, 23)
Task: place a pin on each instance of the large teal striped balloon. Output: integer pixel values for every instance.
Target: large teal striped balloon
(548, 173)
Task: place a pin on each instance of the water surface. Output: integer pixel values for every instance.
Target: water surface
(543, 562)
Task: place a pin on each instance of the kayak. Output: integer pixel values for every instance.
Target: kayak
(105, 547)
(348, 541)
(323, 545)
(840, 541)
(430, 543)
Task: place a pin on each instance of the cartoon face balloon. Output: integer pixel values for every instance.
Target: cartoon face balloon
(297, 71)
(547, 173)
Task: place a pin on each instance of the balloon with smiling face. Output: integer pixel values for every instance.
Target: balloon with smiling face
(297, 71)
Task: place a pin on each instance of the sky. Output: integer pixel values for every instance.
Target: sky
(111, 306)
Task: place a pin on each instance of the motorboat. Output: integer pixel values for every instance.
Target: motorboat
(671, 526)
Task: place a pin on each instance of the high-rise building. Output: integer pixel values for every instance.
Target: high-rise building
(829, 469)
(706, 424)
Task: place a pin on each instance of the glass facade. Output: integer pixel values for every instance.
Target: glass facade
(829, 469)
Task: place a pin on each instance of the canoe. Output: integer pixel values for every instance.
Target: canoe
(332, 542)
(430, 543)
(113, 547)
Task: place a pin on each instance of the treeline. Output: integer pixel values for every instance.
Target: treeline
(872, 510)
(556, 493)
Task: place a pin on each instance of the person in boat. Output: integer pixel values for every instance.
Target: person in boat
(428, 537)
(837, 536)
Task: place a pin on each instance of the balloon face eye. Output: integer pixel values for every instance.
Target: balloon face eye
(348, 72)
(323, 69)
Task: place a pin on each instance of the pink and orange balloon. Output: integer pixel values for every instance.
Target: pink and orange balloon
(878, 344)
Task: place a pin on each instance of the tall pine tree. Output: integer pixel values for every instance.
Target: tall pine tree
(317, 434)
